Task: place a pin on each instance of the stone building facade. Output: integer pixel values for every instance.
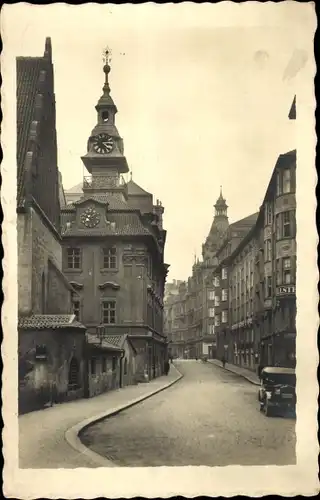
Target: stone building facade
(50, 340)
(256, 322)
(113, 246)
(191, 313)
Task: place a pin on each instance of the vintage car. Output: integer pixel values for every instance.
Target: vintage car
(277, 394)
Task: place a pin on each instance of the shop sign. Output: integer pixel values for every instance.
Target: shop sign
(286, 290)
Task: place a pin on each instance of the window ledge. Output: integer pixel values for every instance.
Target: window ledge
(72, 270)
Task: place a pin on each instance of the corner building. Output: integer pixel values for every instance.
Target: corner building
(113, 246)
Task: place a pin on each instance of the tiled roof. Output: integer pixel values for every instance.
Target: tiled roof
(28, 70)
(136, 190)
(117, 340)
(125, 224)
(246, 221)
(114, 202)
(103, 344)
(52, 321)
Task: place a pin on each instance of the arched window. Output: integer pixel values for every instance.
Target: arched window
(105, 116)
(73, 382)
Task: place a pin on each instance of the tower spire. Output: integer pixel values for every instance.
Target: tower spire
(106, 70)
(221, 207)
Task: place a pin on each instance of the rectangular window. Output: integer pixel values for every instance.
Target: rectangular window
(224, 295)
(268, 214)
(110, 258)
(109, 312)
(286, 225)
(93, 366)
(76, 309)
(211, 329)
(278, 184)
(104, 365)
(224, 317)
(268, 285)
(73, 258)
(278, 227)
(278, 271)
(267, 250)
(211, 312)
(211, 295)
(224, 273)
(286, 266)
(286, 186)
(217, 320)
(217, 281)
(217, 301)
(114, 363)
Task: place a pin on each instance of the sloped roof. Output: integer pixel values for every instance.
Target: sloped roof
(52, 321)
(136, 190)
(101, 343)
(28, 71)
(113, 202)
(75, 189)
(246, 221)
(119, 340)
(124, 224)
(293, 113)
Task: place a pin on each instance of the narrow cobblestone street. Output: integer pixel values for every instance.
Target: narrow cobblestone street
(211, 417)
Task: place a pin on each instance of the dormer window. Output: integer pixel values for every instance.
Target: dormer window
(105, 116)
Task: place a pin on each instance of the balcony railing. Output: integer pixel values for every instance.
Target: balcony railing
(103, 181)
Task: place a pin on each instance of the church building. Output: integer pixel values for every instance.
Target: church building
(113, 247)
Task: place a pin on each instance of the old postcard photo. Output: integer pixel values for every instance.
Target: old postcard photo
(160, 268)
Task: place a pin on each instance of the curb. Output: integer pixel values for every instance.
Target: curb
(72, 434)
(235, 373)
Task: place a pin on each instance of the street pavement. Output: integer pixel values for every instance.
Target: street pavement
(211, 417)
(42, 434)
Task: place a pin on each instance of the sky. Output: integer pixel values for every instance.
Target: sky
(203, 99)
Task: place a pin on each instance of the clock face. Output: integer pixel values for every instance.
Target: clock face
(90, 217)
(102, 143)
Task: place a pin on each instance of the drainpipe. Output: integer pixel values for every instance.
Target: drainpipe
(121, 358)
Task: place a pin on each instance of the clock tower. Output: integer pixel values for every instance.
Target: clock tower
(105, 160)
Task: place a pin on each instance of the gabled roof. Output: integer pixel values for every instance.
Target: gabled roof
(49, 321)
(136, 190)
(28, 71)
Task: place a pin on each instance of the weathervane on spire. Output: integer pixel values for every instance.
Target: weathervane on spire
(106, 55)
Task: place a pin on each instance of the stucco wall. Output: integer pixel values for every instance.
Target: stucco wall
(24, 241)
(50, 376)
(44, 245)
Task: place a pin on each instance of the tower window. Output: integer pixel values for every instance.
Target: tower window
(105, 116)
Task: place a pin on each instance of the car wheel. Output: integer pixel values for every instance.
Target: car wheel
(267, 410)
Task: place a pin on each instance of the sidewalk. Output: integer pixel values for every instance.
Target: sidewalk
(49, 438)
(238, 370)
